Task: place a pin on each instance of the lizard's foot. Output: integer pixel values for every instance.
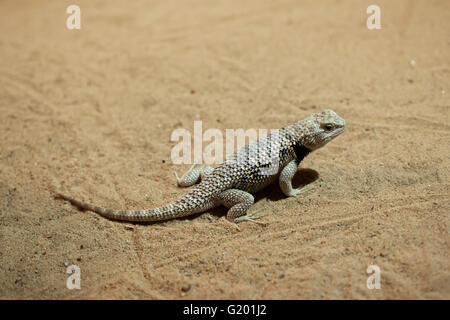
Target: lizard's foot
(251, 217)
(285, 180)
(232, 224)
(193, 175)
(296, 192)
(185, 180)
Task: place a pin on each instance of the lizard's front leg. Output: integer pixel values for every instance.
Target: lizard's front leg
(285, 180)
(193, 175)
(238, 202)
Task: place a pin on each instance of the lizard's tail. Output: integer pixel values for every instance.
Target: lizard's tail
(175, 209)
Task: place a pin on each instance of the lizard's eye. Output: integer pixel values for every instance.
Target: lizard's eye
(328, 127)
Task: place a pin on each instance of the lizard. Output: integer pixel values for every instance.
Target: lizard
(232, 183)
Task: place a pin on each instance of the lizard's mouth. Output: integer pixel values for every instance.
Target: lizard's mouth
(335, 133)
(331, 135)
(339, 130)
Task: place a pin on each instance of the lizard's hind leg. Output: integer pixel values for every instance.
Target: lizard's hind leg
(193, 175)
(238, 202)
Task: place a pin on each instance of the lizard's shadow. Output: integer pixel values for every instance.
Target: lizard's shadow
(302, 177)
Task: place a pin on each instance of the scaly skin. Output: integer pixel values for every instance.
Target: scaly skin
(250, 169)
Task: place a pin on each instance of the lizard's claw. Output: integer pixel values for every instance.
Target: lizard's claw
(251, 217)
(180, 180)
(296, 192)
(233, 224)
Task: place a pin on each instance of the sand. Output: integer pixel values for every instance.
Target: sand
(90, 113)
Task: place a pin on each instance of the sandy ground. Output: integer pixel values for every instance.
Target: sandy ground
(90, 112)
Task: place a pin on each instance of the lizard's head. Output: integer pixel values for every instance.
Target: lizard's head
(322, 128)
